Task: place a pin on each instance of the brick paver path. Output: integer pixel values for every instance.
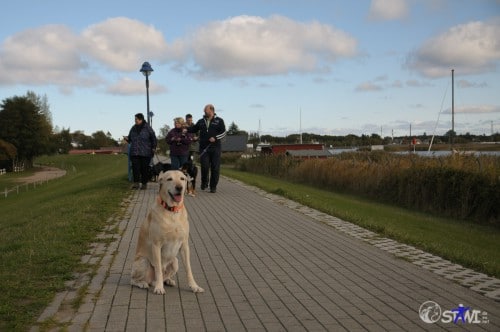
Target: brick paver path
(267, 267)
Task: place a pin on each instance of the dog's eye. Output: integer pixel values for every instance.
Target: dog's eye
(183, 179)
(169, 179)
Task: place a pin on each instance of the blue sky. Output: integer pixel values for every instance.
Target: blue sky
(271, 66)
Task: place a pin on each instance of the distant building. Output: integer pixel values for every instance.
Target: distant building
(234, 143)
(308, 154)
(284, 148)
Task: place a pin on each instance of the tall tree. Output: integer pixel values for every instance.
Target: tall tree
(61, 142)
(162, 144)
(100, 139)
(42, 102)
(233, 129)
(23, 125)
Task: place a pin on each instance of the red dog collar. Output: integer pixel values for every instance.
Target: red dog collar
(169, 208)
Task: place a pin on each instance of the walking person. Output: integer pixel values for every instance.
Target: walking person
(194, 146)
(178, 140)
(142, 140)
(211, 130)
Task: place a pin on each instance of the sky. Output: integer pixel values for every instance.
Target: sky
(272, 67)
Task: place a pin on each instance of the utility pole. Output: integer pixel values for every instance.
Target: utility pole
(300, 124)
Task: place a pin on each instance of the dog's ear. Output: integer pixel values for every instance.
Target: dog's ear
(162, 178)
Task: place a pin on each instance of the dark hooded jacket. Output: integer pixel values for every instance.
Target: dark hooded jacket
(142, 140)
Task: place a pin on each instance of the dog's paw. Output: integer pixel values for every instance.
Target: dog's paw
(159, 290)
(140, 284)
(169, 282)
(197, 289)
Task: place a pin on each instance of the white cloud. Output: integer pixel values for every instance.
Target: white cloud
(368, 86)
(53, 54)
(468, 84)
(475, 109)
(250, 46)
(44, 55)
(383, 10)
(469, 48)
(239, 46)
(128, 86)
(123, 44)
(416, 84)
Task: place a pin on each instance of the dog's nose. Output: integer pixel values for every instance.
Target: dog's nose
(178, 187)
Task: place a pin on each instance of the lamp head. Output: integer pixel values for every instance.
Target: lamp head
(146, 69)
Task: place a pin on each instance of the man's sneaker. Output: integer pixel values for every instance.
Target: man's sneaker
(135, 185)
(213, 190)
(204, 186)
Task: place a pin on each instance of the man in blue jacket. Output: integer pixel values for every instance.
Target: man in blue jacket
(211, 130)
(142, 140)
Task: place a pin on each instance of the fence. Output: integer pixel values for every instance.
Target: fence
(24, 187)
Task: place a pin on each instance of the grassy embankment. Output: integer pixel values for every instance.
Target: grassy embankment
(46, 230)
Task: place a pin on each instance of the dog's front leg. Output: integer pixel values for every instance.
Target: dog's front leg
(156, 255)
(187, 262)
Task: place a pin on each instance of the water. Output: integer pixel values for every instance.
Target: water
(445, 153)
(440, 153)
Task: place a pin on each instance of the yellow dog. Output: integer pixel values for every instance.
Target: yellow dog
(164, 233)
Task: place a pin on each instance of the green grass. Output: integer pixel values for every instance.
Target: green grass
(471, 245)
(46, 230)
(10, 180)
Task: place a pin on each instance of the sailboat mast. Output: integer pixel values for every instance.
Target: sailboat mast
(452, 107)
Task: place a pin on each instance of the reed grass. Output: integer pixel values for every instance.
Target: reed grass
(464, 187)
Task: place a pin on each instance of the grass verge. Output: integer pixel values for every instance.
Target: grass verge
(45, 232)
(473, 246)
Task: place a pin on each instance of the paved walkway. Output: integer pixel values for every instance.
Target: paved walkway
(268, 264)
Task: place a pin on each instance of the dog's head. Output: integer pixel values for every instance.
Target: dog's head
(172, 187)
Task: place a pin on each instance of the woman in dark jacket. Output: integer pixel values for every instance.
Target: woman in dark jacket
(142, 140)
(179, 141)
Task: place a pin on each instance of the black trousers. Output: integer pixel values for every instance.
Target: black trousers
(210, 162)
(140, 168)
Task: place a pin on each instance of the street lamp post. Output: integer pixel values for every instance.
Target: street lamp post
(146, 70)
